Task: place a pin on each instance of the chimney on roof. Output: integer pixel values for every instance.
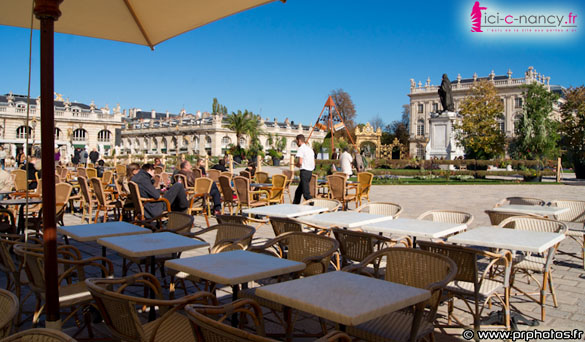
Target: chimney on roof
(153, 114)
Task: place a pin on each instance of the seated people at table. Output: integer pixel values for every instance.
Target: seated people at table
(251, 168)
(157, 162)
(175, 194)
(345, 162)
(220, 166)
(6, 182)
(214, 192)
(31, 171)
(100, 168)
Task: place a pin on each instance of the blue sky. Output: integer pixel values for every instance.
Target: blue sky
(282, 60)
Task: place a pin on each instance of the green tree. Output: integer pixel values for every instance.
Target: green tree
(479, 131)
(217, 108)
(573, 128)
(536, 132)
(244, 123)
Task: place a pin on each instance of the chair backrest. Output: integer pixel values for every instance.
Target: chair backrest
(235, 219)
(179, 223)
(57, 178)
(203, 185)
(9, 308)
(107, 177)
(281, 225)
(121, 170)
(354, 245)
(136, 200)
(289, 174)
(337, 186)
(381, 208)
(261, 177)
(313, 186)
(242, 185)
(305, 245)
(164, 177)
(332, 205)
(64, 172)
(246, 174)
(227, 174)
(365, 183)
(33, 265)
(339, 173)
(498, 216)
(81, 172)
(576, 211)
(85, 190)
(520, 201)
(39, 335)
(447, 216)
(226, 189)
(214, 174)
(20, 180)
(181, 178)
(197, 173)
(62, 194)
(158, 170)
(91, 172)
(277, 190)
(534, 224)
(227, 233)
(465, 258)
(98, 189)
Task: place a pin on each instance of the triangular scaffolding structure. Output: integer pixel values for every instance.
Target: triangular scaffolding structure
(332, 122)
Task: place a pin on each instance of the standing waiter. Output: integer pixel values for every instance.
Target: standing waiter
(306, 161)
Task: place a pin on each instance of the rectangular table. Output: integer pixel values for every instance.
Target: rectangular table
(532, 209)
(415, 228)
(512, 239)
(345, 219)
(285, 210)
(344, 298)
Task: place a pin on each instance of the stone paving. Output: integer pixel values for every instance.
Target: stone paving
(415, 199)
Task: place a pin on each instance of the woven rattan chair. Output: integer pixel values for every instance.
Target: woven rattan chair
(276, 193)
(530, 264)
(181, 178)
(412, 267)
(496, 217)
(229, 196)
(332, 205)
(447, 216)
(208, 323)
(120, 310)
(313, 186)
(214, 175)
(73, 293)
(520, 201)
(228, 237)
(90, 172)
(312, 249)
(356, 246)
(138, 202)
(40, 335)
(261, 177)
(107, 177)
(9, 306)
(20, 180)
(199, 201)
(174, 222)
(158, 170)
(62, 196)
(105, 201)
(381, 208)
(89, 200)
(227, 174)
(473, 282)
(281, 225)
(364, 186)
(575, 219)
(121, 171)
(246, 174)
(246, 196)
(289, 178)
(338, 190)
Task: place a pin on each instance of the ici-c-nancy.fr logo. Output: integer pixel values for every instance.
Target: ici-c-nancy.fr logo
(476, 17)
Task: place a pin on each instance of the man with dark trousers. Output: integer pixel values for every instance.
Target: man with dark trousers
(306, 162)
(175, 194)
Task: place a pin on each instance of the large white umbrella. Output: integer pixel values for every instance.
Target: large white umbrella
(145, 22)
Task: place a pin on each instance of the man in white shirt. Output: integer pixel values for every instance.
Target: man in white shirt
(306, 162)
(345, 162)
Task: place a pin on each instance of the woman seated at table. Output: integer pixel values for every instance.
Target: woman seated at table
(214, 192)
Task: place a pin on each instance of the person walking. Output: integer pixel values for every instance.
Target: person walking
(306, 162)
(2, 156)
(94, 156)
(345, 162)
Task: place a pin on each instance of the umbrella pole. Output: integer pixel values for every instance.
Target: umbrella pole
(47, 11)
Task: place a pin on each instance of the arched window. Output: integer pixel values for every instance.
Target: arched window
(196, 143)
(104, 136)
(243, 142)
(420, 127)
(225, 141)
(21, 132)
(207, 142)
(80, 135)
(502, 123)
(58, 133)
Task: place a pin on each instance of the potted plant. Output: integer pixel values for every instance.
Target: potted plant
(276, 156)
(278, 144)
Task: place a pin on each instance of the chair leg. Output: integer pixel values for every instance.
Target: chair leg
(552, 290)
(543, 295)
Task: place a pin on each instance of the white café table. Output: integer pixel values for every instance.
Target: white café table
(415, 228)
(532, 209)
(345, 219)
(285, 210)
(511, 239)
(342, 297)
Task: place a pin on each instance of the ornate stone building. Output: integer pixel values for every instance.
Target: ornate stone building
(424, 100)
(76, 124)
(200, 133)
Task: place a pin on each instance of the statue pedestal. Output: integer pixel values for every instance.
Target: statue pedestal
(442, 142)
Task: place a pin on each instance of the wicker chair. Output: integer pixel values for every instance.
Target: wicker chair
(381, 208)
(410, 267)
(447, 216)
(364, 186)
(62, 196)
(473, 282)
(575, 215)
(20, 180)
(120, 310)
(90, 172)
(138, 202)
(200, 199)
(228, 237)
(174, 222)
(227, 174)
(313, 186)
(246, 174)
(121, 171)
(530, 264)
(312, 249)
(229, 196)
(261, 177)
(338, 190)
(208, 329)
(181, 178)
(281, 225)
(73, 293)
(520, 201)
(81, 172)
(7, 221)
(103, 202)
(9, 306)
(289, 178)
(276, 194)
(496, 217)
(158, 170)
(107, 177)
(356, 246)
(214, 174)
(40, 335)
(332, 205)
(245, 195)
(89, 200)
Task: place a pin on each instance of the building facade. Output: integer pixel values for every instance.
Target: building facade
(424, 100)
(76, 124)
(200, 133)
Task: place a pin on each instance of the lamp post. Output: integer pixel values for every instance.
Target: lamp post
(34, 129)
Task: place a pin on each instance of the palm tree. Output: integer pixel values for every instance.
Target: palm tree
(244, 123)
